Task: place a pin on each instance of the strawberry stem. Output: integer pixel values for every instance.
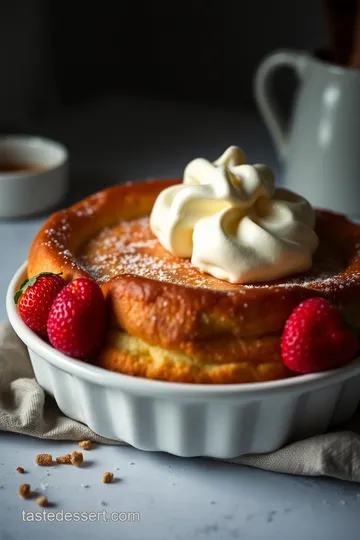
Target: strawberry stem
(30, 282)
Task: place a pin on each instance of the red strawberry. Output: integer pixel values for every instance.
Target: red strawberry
(316, 338)
(35, 297)
(77, 320)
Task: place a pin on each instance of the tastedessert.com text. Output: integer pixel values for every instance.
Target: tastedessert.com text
(62, 515)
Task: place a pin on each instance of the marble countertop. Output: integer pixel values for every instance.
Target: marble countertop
(112, 141)
(176, 498)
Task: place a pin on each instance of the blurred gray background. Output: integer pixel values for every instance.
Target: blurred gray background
(55, 54)
(136, 89)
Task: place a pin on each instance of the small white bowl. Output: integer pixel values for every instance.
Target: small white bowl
(221, 421)
(33, 175)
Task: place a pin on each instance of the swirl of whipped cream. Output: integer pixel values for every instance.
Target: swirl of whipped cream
(230, 220)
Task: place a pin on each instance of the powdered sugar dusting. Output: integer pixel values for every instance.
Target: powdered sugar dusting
(131, 248)
(329, 282)
(59, 238)
(327, 270)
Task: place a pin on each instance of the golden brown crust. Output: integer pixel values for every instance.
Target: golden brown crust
(214, 323)
(55, 246)
(132, 356)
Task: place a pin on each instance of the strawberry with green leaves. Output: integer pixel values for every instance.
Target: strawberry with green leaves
(35, 298)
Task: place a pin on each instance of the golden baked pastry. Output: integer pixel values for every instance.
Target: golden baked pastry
(169, 321)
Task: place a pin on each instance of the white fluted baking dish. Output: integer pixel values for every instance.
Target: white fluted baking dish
(221, 421)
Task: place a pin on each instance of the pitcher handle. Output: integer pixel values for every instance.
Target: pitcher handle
(264, 93)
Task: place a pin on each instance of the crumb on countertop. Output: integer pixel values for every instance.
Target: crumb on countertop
(64, 460)
(107, 477)
(85, 445)
(20, 470)
(76, 458)
(43, 459)
(42, 501)
(24, 490)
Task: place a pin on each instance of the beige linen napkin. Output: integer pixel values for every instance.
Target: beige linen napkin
(25, 408)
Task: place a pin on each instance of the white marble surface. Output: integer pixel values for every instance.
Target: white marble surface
(176, 498)
(179, 499)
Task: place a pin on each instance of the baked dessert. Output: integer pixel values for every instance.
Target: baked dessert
(171, 321)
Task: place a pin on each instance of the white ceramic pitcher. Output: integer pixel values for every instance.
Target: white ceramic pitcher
(320, 147)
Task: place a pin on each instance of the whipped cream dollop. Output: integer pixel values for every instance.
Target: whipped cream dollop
(230, 220)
